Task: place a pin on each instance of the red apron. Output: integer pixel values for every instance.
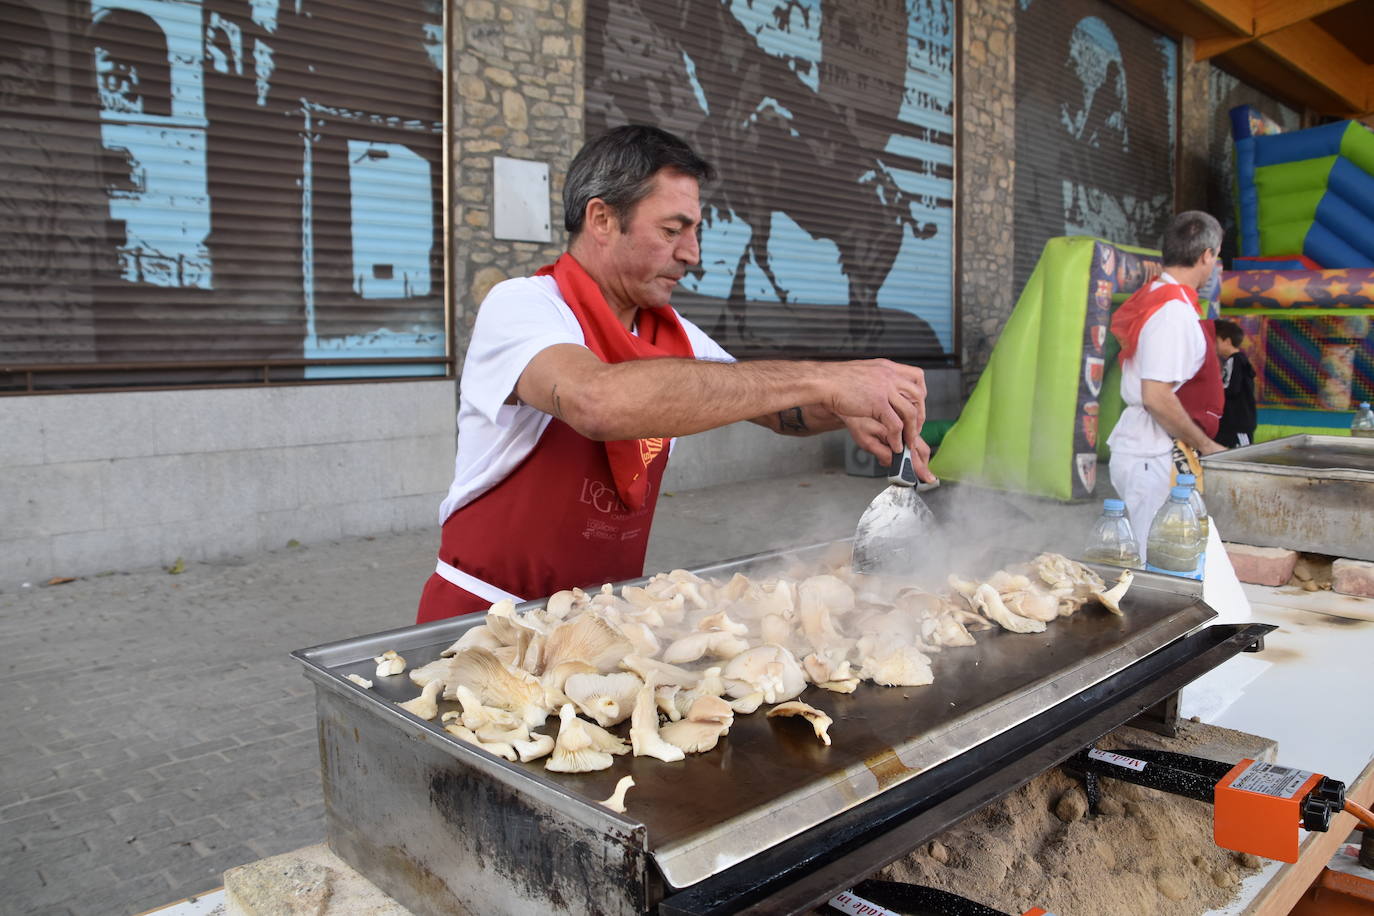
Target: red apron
(575, 512)
(1203, 395)
(574, 529)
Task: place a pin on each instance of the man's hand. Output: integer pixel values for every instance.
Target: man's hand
(1160, 401)
(882, 404)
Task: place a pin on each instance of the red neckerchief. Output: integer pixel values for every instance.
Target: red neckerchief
(660, 334)
(1130, 319)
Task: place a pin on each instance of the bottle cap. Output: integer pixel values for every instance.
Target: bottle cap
(1187, 480)
(1114, 505)
(1179, 493)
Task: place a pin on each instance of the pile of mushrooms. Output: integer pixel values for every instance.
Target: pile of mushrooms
(681, 656)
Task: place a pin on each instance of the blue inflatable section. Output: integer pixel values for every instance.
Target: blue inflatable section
(1342, 230)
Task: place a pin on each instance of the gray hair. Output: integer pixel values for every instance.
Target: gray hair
(1189, 234)
(619, 168)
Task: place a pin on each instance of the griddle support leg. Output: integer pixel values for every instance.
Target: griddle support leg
(1161, 718)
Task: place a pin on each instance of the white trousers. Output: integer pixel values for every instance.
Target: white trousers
(1143, 483)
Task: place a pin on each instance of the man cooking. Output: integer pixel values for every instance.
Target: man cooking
(577, 380)
(1170, 381)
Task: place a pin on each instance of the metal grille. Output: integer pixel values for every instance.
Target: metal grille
(830, 230)
(1095, 127)
(218, 184)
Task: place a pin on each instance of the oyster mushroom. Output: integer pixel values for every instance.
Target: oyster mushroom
(721, 621)
(574, 749)
(426, 705)
(554, 679)
(480, 635)
(770, 669)
(617, 800)
(559, 605)
(641, 635)
(441, 669)
(465, 734)
(644, 737)
(498, 685)
(987, 600)
(477, 716)
(589, 638)
(664, 673)
(691, 737)
(539, 745)
(360, 681)
(902, 666)
(1111, 599)
(747, 704)
(687, 649)
(605, 698)
(1031, 602)
(389, 663)
(820, 722)
(711, 709)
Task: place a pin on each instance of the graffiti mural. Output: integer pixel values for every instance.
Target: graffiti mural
(1095, 127)
(209, 180)
(830, 228)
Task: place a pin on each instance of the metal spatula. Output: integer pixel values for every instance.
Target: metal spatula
(895, 526)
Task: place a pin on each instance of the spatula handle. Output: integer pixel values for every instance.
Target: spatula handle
(905, 475)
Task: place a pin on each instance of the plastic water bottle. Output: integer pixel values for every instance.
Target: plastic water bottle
(1363, 424)
(1175, 544)
(1199, 507)
(1112, 540)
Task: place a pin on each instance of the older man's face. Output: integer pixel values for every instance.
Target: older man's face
(660, 243)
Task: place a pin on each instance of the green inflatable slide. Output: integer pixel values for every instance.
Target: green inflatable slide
(1032, 423)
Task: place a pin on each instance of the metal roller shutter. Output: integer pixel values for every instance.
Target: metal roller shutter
(1096, 127)
(220, 192)
(830, 230)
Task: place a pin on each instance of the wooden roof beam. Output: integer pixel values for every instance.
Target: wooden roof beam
(1273, 15)
(1268, 17)
(1318, 56)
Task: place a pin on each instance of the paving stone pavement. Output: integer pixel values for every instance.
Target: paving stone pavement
(156, 731)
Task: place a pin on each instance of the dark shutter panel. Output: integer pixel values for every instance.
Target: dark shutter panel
(195, 190)
(1095, 127)
(830, 230)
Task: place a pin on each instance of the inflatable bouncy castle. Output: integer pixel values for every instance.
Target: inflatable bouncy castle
(1303, 283)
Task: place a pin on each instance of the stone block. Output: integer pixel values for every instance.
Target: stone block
(1353, 577)
(1262, 565)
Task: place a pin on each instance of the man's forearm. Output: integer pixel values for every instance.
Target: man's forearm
(677, 397)
(801, 421)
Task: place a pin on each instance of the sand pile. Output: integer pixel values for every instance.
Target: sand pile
(1147, 853)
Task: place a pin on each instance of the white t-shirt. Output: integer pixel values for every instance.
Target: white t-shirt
(1172, 348)
(518, 319)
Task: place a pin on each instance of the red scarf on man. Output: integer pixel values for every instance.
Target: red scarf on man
(660, 334)
(1130, 319)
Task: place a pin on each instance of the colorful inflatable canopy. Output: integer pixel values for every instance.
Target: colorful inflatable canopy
(1309, 192)
(1031, 424)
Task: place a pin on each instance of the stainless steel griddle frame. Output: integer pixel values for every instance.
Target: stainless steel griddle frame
(439, 824)
(1304, 492)
(802, 873)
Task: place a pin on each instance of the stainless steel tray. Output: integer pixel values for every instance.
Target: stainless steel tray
(1311, 493)
(770, 779)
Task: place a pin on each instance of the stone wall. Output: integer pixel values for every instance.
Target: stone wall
(987, 173)
(517, 92)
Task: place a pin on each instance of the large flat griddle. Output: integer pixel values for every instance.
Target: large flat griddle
(771, 779)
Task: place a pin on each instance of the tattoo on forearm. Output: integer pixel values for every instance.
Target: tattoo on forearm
(557, 403)
(792, 420)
